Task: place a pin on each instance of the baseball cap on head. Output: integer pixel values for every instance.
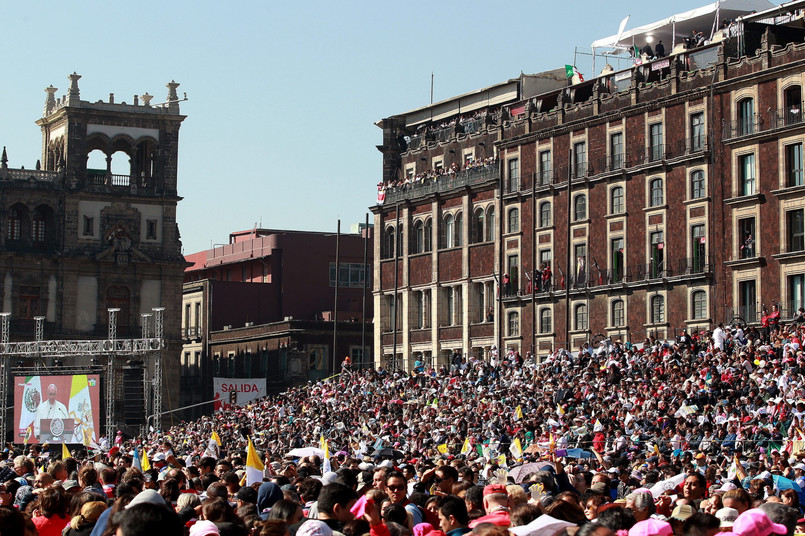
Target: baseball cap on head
(727, 517)
(651, 527)
(755, 522)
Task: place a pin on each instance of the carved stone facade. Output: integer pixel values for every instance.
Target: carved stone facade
(76, 241)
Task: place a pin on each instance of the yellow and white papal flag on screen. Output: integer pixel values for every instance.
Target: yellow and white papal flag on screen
(81, 411)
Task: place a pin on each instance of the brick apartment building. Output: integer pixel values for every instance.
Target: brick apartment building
(666, 196)
(263, 305)
(92, 226)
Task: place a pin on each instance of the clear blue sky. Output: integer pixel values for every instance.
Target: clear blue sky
(283, 96)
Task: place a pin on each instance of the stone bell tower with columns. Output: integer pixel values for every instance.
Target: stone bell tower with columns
(92, 226)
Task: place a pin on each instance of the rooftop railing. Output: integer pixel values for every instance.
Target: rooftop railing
(33, 175)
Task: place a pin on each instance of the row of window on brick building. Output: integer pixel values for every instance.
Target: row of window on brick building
(451, 310)
(483, 221)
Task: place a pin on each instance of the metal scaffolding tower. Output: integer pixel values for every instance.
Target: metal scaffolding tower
(112, 347)
(159, 334)
(4, 373)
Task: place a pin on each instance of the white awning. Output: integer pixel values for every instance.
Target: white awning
(700, 19)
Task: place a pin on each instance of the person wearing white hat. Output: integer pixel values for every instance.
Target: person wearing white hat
(799, 475)
(727, 517)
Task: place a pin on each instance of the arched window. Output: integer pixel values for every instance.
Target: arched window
(513, 324)
(545, 320)
(400, 240)
(697, 184)
(618, 313)
(580, 317)
(657, 309)
(478, 229)
(388, 241)
(513, 223)
(746, 116)
(699, 303)
(580, 207)
(96, 162)
(616, 200)
(545, 214)
(419, 237)
(450, 231)
(14, 226)
(121, 163)
(655, 192)
(143, 166)
(428, 235)
(459, 230)
(490, 224)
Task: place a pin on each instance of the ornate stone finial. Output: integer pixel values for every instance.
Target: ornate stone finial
(4, 159)
(173, 98)
(38, 164)
(74, 94)
(172, 85)
(50, 101)
(111, 98)
(146, 99)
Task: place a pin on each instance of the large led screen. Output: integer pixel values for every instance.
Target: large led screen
(56, 409)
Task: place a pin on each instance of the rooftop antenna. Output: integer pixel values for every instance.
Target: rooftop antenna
(431, 87)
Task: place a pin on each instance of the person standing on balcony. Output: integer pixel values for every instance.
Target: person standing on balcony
(800, 316)
(764, 324)
(748, 247)
(774, 319)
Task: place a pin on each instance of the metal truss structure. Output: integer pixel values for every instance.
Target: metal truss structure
(113, 348)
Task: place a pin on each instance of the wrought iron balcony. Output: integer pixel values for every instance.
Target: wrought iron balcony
(591, 277)
(758, 123)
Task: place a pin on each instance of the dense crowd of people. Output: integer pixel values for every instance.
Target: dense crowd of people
(432, 175)
(690, 436)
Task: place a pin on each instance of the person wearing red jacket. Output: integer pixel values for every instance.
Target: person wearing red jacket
(764, 324)
(774, 319)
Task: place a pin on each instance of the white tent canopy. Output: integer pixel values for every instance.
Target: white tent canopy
(676, 27)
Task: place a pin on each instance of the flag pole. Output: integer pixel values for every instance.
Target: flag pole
(365, 284)
(335, 297)
(533, 266)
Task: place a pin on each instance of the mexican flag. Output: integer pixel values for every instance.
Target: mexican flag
(574, 74)
(31, 398)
